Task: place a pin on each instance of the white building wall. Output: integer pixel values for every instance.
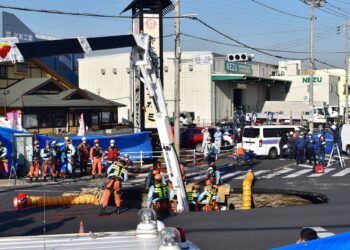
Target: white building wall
(112, 86)
(195, 90)
(324, 91)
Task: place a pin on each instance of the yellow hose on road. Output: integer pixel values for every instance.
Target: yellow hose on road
(247, 190)
(23, 200)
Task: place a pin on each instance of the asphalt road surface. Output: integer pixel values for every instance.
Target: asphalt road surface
(254, 229)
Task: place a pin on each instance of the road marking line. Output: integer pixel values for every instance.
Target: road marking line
(296, 174)
(327, 170)
(280, 172)
(232, 174)
(304, 166)
(342, 173)
(255, 174)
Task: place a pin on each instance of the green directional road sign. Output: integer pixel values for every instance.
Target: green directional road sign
(238, 68)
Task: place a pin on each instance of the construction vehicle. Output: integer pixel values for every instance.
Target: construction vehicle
(145, 65)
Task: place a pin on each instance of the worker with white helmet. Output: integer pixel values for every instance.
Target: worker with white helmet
(96, 154)
(218, 138)
(112, 153)
(69, 153)
(210, 151)
(206, 134)
(83, 156)
(238, 138)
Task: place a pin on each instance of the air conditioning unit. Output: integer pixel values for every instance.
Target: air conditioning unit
(240, 57)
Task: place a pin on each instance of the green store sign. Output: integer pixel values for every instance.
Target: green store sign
(238, 68)
(316, 79)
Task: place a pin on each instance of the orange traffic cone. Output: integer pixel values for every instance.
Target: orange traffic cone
(81, 228)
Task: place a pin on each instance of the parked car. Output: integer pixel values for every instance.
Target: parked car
(264, 140)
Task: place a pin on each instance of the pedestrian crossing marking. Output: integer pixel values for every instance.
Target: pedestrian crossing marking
(255, 174)
(296, 174)
(342, 173)
(233, 174)
(280, 172)
(327, 170)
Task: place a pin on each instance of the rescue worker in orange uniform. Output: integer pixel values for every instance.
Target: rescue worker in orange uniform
(35, 162)
(3, 160)
(112, 153)
(83, 153)
(158, 194)
(46, 155)
(96, 159)
(116, 173)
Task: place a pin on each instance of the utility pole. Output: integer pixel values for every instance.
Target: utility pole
(346, 70)
(313, 4)
(177, 79)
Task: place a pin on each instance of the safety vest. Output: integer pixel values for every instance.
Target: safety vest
(118, 171)
(192, 196)
(2, 148)
(211, 195)
(84, 150)
(97, 152)
(112, 152)
(58, 152)
(160, 191)
(36, 154)
(48, 152)
(67, 150)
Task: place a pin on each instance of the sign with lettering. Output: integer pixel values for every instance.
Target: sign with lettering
(317, 79)
(239, 68)
(203, 59)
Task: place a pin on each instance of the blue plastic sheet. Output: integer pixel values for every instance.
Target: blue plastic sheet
(133, 144)
(336, 242)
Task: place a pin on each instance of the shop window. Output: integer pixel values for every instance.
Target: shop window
(94, 119)
(21, 68)
(60, 119)
(30, 121)
(105, 117)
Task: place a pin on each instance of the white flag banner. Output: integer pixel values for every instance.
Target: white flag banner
(81, 131)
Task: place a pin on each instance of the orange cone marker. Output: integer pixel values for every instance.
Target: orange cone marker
(81, 228)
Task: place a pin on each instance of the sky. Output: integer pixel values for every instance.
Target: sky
(246, 21)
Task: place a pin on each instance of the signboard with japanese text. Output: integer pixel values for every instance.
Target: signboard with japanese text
(203, 59)
(238, 68)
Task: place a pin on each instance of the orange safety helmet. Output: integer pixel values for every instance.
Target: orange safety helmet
(240, 151)
(155, 172)
(158, 177)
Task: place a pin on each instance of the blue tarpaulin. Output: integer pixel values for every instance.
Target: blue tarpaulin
(133, 144)
(336, 242)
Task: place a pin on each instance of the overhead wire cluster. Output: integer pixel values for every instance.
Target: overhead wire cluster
(278, 48)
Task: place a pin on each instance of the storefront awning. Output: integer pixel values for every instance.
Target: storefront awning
(248, 79)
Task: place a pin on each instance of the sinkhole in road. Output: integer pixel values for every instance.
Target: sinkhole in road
(265, 198)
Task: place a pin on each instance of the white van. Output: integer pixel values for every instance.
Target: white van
(264, 140)
(345, 138)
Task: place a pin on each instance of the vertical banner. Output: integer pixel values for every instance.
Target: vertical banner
(151, 27)
(81, 131)
(14, 119)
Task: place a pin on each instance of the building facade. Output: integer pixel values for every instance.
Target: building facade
(211, 87)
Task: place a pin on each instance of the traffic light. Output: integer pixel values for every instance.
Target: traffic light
(240, 57)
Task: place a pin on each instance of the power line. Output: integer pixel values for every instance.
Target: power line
(241, 43)
(280, 11)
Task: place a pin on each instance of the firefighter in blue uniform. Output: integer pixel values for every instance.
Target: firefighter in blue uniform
(300, 145)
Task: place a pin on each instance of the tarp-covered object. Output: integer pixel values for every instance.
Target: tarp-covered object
(132, 143)
(336, 242)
